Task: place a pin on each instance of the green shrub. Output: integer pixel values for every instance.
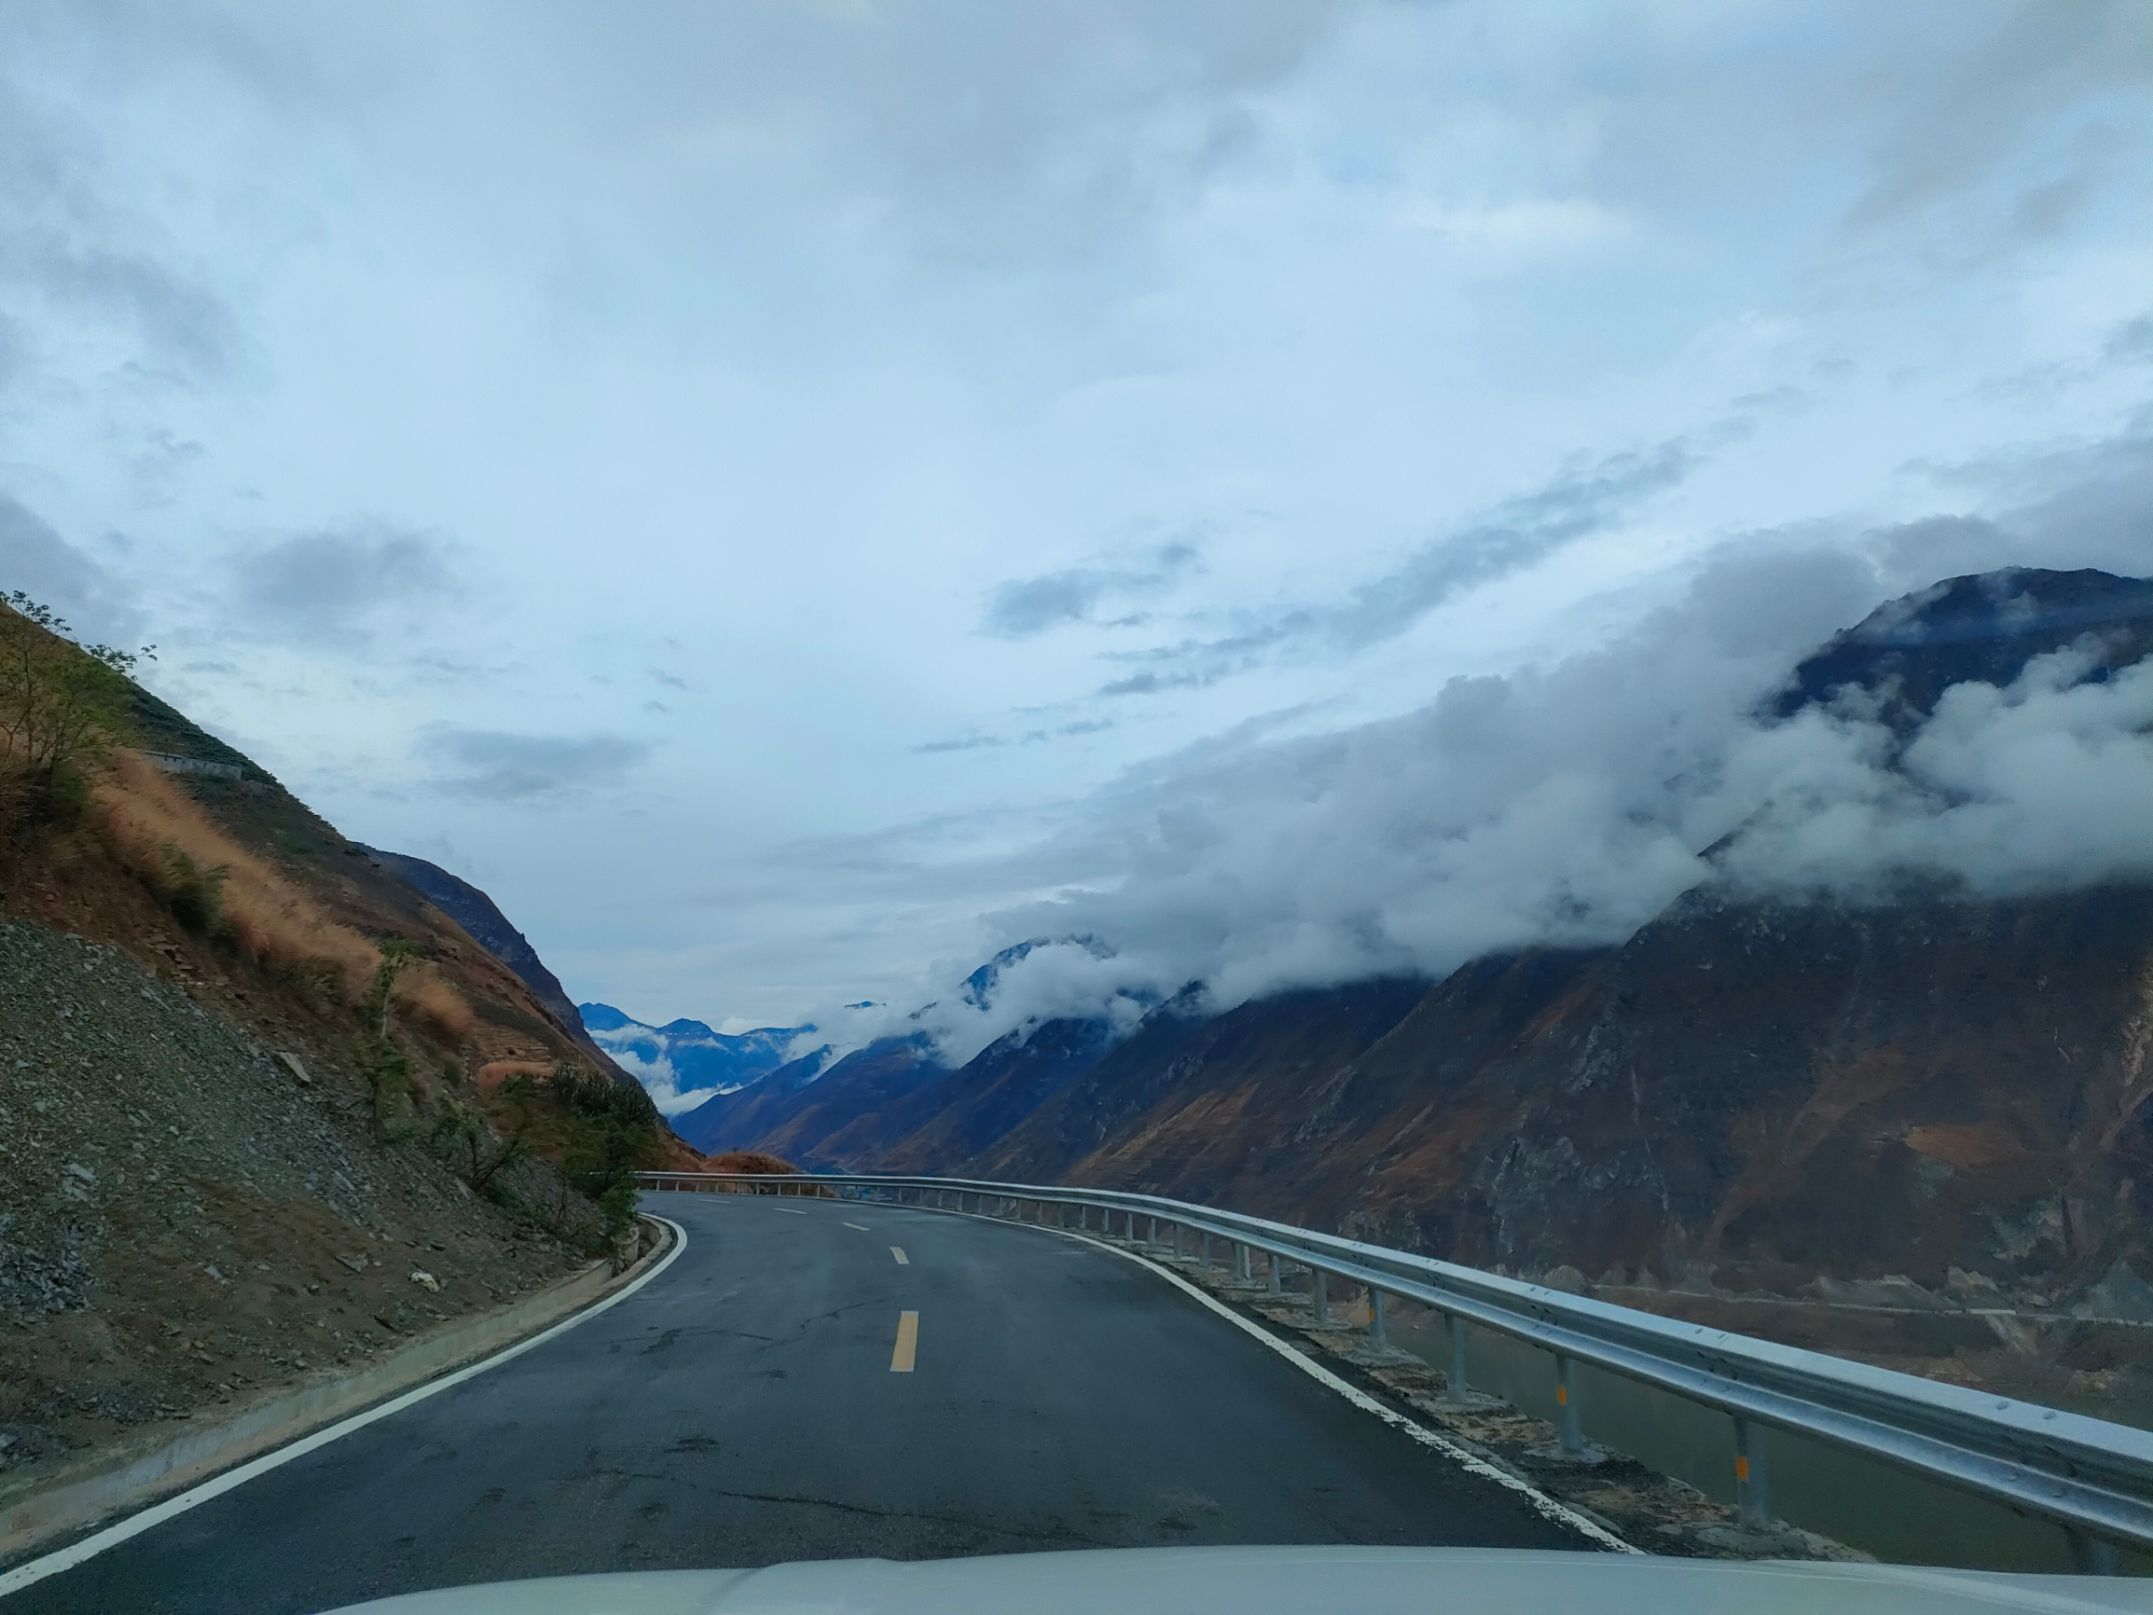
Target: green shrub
(194, 895)
(587, 1093)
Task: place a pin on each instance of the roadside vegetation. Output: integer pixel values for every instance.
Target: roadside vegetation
(80, 807)
(63, 706)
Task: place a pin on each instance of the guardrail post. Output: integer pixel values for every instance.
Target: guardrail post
(1567, 1420)
(1271, 1262)
(1151, 1230)
(1240, 1263)
(1207, 1247)
(2091, 1555)
(1752, 1474)
(1322, 1299)
(1376, 1334)
(1454, 1327)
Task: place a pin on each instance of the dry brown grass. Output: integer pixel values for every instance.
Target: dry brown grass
(275, 923)
(495, 1072)
(750, 1161)
(427, 996)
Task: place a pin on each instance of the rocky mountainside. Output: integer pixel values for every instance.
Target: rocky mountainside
(185, 1217)
(263, 1107)
(483, 920)
(1748, 1091)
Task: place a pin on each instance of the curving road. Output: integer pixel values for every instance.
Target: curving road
(765, 1399)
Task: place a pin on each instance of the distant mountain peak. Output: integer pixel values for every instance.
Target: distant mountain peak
(685, 1061)
(980, 984)
(599, 1017)
(1984, 628)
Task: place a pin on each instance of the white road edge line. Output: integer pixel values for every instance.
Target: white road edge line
(1548, 1507)
(36, 1570)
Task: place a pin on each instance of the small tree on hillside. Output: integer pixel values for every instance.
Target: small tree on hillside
(397, 955)
(478, 1154)
(61, 703)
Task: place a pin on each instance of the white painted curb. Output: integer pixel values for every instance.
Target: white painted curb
(74, 1505)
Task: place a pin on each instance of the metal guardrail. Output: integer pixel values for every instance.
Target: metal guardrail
(2093, 1478)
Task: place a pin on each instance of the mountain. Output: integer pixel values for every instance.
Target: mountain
(685, 1056)
(875, 1099)
(809, 1106)
(215, 1006)
(490, 929)
(1748, 1091)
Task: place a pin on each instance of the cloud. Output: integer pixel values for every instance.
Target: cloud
(176, 319)
(14, 351)
(1027, 606)
(2040, 785)
(1585, 497)
(990, 134)
(1027, 991)
(69, 240)
(966, 742)
(1568, 805)
(340, 583)
(1986, 108)
(525, 768)
(973, 740)
(37, 560)
(655, 1072)
(1522, 225)
(2131, 342)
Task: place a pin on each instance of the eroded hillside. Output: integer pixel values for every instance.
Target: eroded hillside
(263, 1107)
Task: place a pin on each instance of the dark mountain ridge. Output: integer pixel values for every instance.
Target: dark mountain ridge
(486, 925)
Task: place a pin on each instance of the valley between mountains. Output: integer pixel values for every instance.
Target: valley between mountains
(1909, 1123)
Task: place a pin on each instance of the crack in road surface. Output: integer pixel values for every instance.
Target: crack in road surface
(1059, 1533)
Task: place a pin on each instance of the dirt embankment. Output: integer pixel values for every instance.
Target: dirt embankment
(183, 1217)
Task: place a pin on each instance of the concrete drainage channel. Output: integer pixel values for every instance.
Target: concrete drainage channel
(137, 1476)
(1642, 1507)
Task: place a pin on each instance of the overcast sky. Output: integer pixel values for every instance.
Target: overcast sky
(790, 497)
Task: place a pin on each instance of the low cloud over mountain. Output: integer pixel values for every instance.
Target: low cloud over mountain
(1568, 805)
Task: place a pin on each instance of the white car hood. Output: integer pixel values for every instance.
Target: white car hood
(1290, 1581)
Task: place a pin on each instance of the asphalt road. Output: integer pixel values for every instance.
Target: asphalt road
(753, 1404)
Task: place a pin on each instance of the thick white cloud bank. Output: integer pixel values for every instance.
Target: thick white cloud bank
(1568, 806)
(657, 1076)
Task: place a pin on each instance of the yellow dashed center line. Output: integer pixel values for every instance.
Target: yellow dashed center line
(908, 1343)
(903, 1260)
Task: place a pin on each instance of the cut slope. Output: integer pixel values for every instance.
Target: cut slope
(484, 922)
